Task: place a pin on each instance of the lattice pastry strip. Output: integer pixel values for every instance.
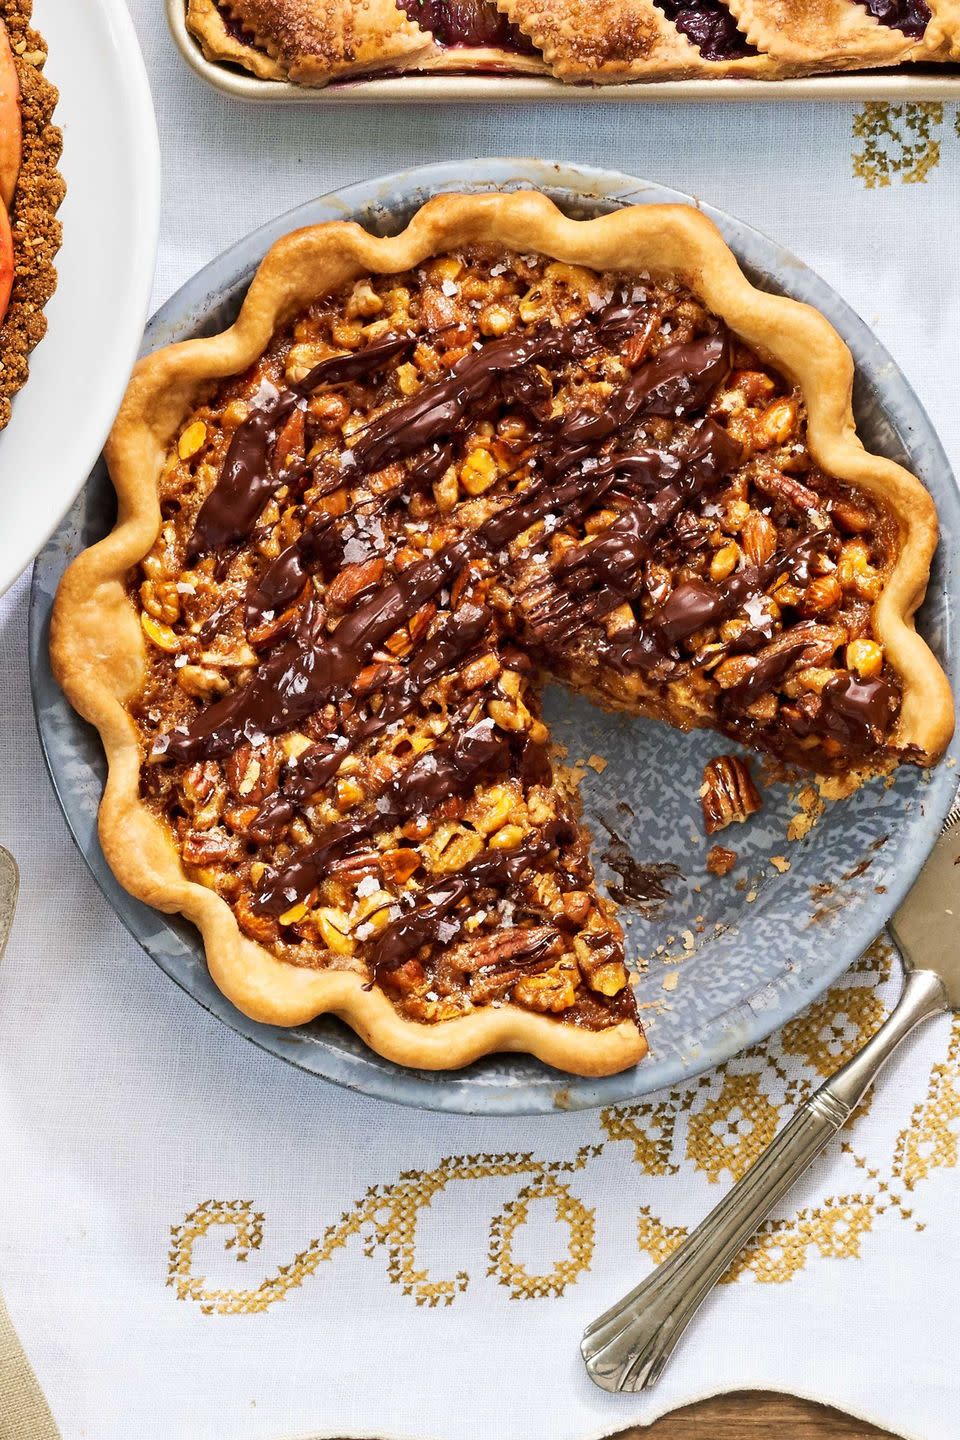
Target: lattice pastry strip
(825, 34)
(612, 40)
(206, 23)
(317, 41)
(941, 39)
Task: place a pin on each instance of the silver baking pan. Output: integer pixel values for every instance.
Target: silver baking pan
(915, 82)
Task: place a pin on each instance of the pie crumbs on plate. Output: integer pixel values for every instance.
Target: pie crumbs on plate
(417, 475)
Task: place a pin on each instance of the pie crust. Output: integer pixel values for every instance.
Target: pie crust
(316, 41)
(207, 24)
(97, 645)
(617, 40)
(270, 61)
(791, 32)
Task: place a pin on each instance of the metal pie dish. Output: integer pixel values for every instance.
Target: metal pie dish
(740, 956)
(905, 83)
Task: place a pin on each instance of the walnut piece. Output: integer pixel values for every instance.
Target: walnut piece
(720, 861)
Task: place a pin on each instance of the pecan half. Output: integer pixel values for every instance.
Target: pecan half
(728, 793)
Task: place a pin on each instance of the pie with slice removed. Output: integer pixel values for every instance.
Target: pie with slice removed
(357, 530)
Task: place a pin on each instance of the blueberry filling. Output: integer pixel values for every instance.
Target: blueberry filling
(468, 23)
(234, 28)
(711, 27)
(909, 16)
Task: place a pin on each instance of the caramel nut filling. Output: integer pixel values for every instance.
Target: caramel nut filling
(433, 488)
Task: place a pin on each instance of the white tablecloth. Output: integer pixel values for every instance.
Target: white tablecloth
(198, 1241)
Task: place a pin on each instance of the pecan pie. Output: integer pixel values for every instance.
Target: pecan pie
(415, 476)
(30, 194)
(603, 41)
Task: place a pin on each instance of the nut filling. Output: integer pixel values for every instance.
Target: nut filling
(431, 489)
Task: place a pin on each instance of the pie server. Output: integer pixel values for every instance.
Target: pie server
(629, 1345)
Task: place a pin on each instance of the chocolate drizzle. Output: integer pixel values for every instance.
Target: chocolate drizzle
(497, 870)
(448, 769)
(247, 478)
(319, 547)
(327, 665)
(313, 667)
(641, 884)
(696, 604)
(857, 712)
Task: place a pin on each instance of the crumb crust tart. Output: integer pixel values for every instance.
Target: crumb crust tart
(31, 190)
(314, 42)
(355, 528)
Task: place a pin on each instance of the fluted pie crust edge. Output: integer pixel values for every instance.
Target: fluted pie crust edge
(98, 650)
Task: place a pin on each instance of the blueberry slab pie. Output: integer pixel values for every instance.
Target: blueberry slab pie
(358, 528)
(313, 42)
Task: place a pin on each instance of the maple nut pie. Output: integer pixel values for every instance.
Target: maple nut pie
(313, 42)
(356, 529)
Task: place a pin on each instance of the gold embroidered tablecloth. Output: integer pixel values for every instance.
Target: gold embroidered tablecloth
(197, 1241)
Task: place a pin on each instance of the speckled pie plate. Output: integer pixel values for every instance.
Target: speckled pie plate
(761, 952)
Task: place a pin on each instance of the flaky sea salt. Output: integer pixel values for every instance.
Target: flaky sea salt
(449, 288)
(355, 550)
(368, 885)
(757, 611)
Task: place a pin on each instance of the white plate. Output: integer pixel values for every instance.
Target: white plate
(111, 218)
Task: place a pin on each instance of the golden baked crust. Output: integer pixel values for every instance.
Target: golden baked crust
(603, 42)
(792, 31)
(617, 40)
(941, 39)
(206, 22)
(321, 40)
(97, 645)
(267, 61)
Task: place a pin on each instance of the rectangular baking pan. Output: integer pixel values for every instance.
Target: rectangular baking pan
(915, 82)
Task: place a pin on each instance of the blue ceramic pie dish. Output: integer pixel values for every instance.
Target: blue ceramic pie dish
(726, 961)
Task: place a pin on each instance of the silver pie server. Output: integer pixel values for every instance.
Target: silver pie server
(629, 1345)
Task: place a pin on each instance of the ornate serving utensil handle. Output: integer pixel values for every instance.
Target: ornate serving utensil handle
(628, 1346)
